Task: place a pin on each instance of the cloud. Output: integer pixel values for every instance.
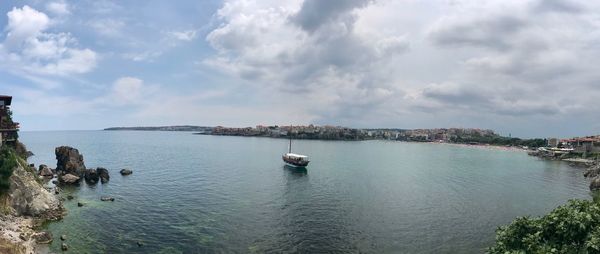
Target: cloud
(558, 6)
(315, 13)
(186, 35)
(307, 57)
(59, 8)
(127, 90)
(107, 26)
(29, 49)
(23, 24)
(489, 32)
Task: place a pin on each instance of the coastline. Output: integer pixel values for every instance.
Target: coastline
(18, 235)
(24, 208)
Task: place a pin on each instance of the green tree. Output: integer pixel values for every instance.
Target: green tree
(570, 228)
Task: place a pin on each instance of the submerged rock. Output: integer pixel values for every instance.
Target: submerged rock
(595, 184)
(91, 176)
(69, 161)
(107, 199)
(69, 179)
(43, 237)
(79, 204)
(103, 173)
(126, 171)
(63, 237)
(64, 247)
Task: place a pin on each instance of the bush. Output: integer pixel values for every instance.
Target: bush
(8, 162)
(570, 228)
(22, 151)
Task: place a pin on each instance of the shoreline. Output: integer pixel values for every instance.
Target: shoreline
(483, 146)
(24, 209)
(19, 233)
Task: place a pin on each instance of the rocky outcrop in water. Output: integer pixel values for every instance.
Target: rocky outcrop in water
(103, 174)
(69, 179)
(126, 172)
(107, 199)
(43, 237)
(91, 176)
(69, 161)
(45, 171)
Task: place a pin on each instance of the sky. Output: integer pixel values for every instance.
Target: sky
(528, 68)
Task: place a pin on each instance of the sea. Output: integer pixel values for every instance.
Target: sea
(219, 194)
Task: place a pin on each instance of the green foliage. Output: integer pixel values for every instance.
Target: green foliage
(22, 151)
(502, 141)
(8, 161)
(570, 228)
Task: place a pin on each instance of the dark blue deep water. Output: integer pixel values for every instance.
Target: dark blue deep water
(215, 194)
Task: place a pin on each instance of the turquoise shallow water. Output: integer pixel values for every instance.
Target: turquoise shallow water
(215, 194)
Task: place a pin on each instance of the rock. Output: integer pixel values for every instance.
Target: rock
(91, 176)
(64, 247)
(107, 199)
(45, 171)
(592, 171)
(70, 179)
(28, 197)
(79, 204)
(63, 237)
(595, 184)
(43, 237)
(69, 161)
(70, 197)
(103, 173)
(126, 172)
(139, 244)
(54, 181)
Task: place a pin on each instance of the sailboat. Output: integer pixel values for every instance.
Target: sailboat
(295, 160)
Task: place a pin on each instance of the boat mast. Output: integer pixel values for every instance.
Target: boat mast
(290, 135)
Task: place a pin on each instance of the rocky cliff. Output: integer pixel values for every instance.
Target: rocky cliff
(29, 198)
(26, 203)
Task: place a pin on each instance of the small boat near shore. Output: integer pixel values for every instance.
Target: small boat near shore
(295, 160)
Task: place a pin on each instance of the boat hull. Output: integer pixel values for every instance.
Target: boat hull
(294, 163)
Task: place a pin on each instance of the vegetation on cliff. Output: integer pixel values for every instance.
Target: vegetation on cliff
(570, 228)
(8, 162)
(501, 141)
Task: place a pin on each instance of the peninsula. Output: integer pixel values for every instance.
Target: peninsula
(162, 128)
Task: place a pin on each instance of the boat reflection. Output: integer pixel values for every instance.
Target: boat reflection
(298, 171)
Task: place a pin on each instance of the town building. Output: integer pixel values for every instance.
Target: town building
(8, 128)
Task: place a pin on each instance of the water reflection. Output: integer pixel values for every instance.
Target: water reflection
(295, 170)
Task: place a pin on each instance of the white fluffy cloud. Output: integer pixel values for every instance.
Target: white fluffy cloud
(29, 48)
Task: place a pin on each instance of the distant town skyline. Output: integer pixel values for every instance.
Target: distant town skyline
(525, 68)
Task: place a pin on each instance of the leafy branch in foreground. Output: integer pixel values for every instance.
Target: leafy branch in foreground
(570, 228)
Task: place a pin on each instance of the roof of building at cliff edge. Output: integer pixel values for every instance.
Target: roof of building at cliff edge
(7, 99)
